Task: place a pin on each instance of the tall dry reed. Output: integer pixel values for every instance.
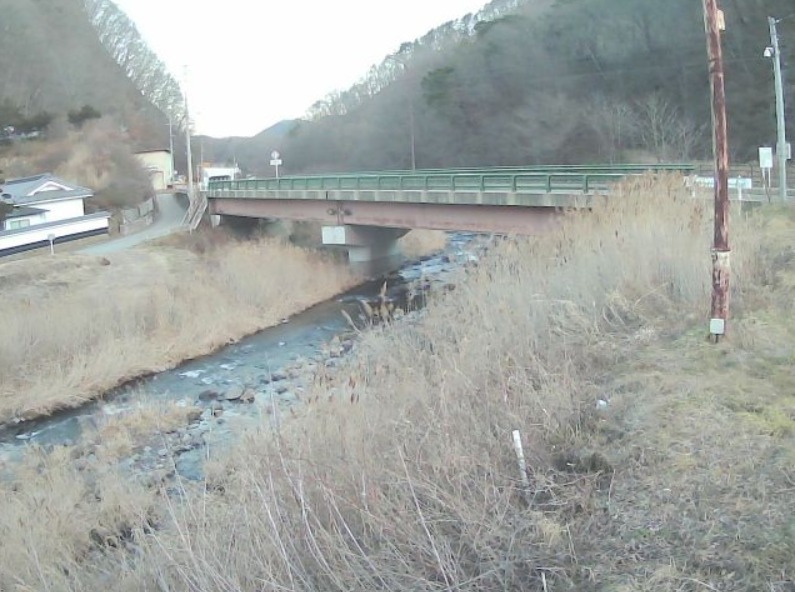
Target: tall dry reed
(401, 472)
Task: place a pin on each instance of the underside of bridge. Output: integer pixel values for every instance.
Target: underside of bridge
(370, 230)
(508, 220)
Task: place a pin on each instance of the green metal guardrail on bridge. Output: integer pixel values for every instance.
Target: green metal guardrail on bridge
(546, 179)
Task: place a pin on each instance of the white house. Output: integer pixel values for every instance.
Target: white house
(159, 165)
(46, 210)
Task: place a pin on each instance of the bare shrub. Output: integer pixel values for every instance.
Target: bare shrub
(98, 156)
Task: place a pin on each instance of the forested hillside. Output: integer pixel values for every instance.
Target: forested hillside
(551, 81)
(80, 91)
(57, 56)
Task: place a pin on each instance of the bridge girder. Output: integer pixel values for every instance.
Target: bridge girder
(508, 220)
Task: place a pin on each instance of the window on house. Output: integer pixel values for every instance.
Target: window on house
(14, 224)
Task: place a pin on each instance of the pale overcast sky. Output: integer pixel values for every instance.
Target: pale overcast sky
(252, 63)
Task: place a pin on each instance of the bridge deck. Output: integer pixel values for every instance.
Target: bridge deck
(507, 200)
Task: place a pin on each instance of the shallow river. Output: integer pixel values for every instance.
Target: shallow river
(271, 365)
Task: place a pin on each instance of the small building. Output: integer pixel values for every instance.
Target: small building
(46, 209)
(211, 172)
(159, 165)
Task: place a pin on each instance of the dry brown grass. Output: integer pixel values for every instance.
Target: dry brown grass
(56, 520)
(73, 327)
(405, 478)
(399, 474)
(419, 243)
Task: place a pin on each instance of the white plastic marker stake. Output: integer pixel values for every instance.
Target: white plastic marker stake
(517, 446)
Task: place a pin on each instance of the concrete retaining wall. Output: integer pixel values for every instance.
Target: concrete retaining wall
(137, 218)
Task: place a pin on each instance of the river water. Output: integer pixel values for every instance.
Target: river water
(273, 366)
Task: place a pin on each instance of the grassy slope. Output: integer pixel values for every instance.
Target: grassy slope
(407, 479)
(703, 441)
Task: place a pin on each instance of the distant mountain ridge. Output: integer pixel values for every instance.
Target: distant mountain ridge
(278, 130)
(253, 153)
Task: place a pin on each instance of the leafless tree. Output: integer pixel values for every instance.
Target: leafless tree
(664, 131)
(121, 39)
(615, 124)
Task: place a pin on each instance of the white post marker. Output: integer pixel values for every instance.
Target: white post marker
(276, 161)
(51, 238)
(519, 450)
(766, 164)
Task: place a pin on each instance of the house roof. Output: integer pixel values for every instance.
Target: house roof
(24, 211)
(42, 188)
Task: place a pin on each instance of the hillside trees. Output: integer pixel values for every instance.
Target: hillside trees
(537, 81)
(51, 61)
(121, 39)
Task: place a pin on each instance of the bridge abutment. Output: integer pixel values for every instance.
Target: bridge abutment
(371, 250)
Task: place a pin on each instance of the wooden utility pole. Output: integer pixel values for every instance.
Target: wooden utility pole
(721, 267)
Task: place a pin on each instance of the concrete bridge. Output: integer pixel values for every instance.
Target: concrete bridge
(368, 212)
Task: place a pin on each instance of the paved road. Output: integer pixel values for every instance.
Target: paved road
(171, 211)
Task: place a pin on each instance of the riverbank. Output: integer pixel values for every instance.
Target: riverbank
(75, 326)
(655, 461)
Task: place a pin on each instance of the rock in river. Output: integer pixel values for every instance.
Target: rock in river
(208, 395)
(234, 393)
(248, 395)
(240, 394)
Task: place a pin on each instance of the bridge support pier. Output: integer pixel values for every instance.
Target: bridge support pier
(371, 250)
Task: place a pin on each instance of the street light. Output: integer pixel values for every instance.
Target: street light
(774, 52)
